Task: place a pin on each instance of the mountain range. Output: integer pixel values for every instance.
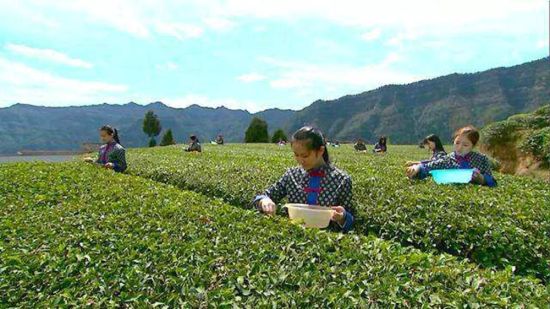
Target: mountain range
(403, 113)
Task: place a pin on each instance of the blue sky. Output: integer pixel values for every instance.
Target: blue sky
(251, 54)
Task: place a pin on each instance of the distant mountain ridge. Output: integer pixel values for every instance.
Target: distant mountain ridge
(404, 113)
(30, 127)
(407, 113)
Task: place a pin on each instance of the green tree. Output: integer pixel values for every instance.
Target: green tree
(168, 138)
(279, 135)
(257, 132)
(151, 127)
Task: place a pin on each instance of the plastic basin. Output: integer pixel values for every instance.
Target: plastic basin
(452, 176)
(309, 215)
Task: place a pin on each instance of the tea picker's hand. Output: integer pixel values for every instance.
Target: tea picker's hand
(477, 177)
(109, 165)
(88, 160)
(267, 206)
(339, 214)
(413, 170)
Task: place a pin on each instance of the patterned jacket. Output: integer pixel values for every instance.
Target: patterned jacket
(324, 186)
(113, 153)
(473, 160)
(195, 146)
(380, 148)
(438, 154)
(360, 146)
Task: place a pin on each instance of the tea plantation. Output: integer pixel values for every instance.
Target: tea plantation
(75, 235)
(504, 226)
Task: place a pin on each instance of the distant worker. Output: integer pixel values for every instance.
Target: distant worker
(194, 144)
(111, 155)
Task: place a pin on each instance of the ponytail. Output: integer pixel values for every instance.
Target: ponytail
(111, 131)
(314, 140)
(115, 136)
(326, 156)
(436, 140)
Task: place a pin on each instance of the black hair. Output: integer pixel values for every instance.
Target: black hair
(314, 138)
(436, 140)
(382, 141)
(194, 138)
(111, 131)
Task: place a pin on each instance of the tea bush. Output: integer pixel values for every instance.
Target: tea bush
(75, 235)
(504, 226)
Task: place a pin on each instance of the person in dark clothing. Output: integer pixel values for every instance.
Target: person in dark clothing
(381, 146)
(314, 182)
(433, 143)
(194, 145)
(360, 145)
(111, 155)
(463, 157)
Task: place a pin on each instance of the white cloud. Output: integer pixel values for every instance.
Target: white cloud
(406, 20)
(47, 54)
(20, 10)
(371, 35)
(181, 20)
(124, 15)
(179, 30)
(259, 29)
(400, 22)
(303, 76)
(167, 66)
(401, 37)
(219, 24)
(447, 14)
(542, 43)
(251, 77)
(334, 48)
(423, 17)
(21, 83)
